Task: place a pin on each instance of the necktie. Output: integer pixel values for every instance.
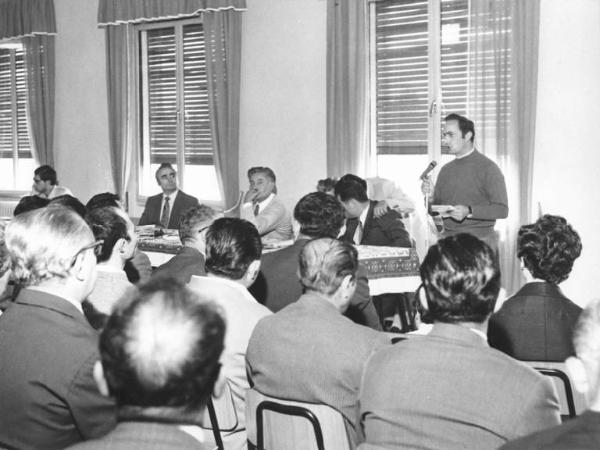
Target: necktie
(358, 234)
(164, 217)
(256, 209)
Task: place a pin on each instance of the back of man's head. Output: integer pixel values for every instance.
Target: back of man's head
(29, 203)
(161, 348)
(461, 278)
(68, 201)
(193, 220)
(231, 246)
(110, 225)
(319, 215)
(103, 199)
(351, 187)
(43, 243)
(46, 173)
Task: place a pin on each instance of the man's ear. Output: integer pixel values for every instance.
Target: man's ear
(100, 380)
(78, 270)
(253, 270)
(578, 374)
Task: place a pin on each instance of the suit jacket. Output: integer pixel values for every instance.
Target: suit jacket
(387, 230)
(152, 212)
(536, 324)
(309, 352)
(132, 435)
(581, 433)
(449, 390)
(277, 285)
(189, 261)
(273, 223)
(48, 396)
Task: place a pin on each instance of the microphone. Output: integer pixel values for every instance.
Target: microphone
(429, 168)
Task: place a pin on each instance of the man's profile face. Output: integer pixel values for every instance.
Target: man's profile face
(453, 139)
(261, 185)
(352, 207)
(167, 180)
(40, 186)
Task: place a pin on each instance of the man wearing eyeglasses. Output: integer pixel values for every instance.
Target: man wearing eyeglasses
(165, 209)
(45, 184)
(48, 396)
(263, 209)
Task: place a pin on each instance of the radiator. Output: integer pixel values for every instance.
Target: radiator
(7, 207)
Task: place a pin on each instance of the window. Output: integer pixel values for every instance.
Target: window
(174, 108)
(419, 63)
(16, 160)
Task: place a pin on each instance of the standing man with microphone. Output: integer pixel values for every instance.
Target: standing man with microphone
(470, 192)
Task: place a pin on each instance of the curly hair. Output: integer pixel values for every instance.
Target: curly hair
(319, 215)
(549, 247)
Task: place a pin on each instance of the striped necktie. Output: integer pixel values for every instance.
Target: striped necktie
(166, 212)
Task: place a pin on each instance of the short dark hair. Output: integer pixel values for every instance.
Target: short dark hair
(161, 347)
(326, 185)
(465, 125)
(102, 200)
(231, 246)
(192, 219)
(264, 170)
(68, 201)
(46, 173)
(29, 203)
(351, 187)
(163, 166)
(549, 247)
(319, 215)
(461, 278)
(107, 224)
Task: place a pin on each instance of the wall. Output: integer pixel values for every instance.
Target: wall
(81, 125)
(283, 96)
(567, 155)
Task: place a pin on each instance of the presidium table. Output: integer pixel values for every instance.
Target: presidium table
(389, 269)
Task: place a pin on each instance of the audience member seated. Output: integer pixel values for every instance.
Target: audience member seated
(192, 230)
(165, 209)
(263, 209)
(536, 324)
(159, 359)
(233, 250)
(449, 389)
(49, 398)
(317, 215)
(29, 203)
(138, 268)
(68, 201)
(309, 351)
(582, 432)
(5, 292)
(117, 233)
(45, 183)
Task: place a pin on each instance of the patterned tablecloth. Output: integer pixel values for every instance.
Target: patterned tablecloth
(389, 269)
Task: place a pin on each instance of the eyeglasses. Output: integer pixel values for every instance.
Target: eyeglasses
(96, 246)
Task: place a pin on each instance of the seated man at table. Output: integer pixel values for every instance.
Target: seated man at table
(190, 260)
(159, 360)
(233, 250)
(45, 183)
(317, 215)
(309, 351)
(262, 208)
(166, 209)
(48, 396)
(449, 389)
(582, 432)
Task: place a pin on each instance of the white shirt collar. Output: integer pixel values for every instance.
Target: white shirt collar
(171, 196)
(480, 333)
(262, 205)
(363, 215)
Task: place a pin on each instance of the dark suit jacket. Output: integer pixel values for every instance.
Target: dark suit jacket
(387, 230)
(277, 285)
(189, 261)
(581, 433)
(48, 398)
(309, 352)
(449, 390)
(143, 436)
(536, 324)
(152, 212)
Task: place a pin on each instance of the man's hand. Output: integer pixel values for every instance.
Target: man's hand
(427, 186)
(380, 209)
(250, 196)
(459, 212)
